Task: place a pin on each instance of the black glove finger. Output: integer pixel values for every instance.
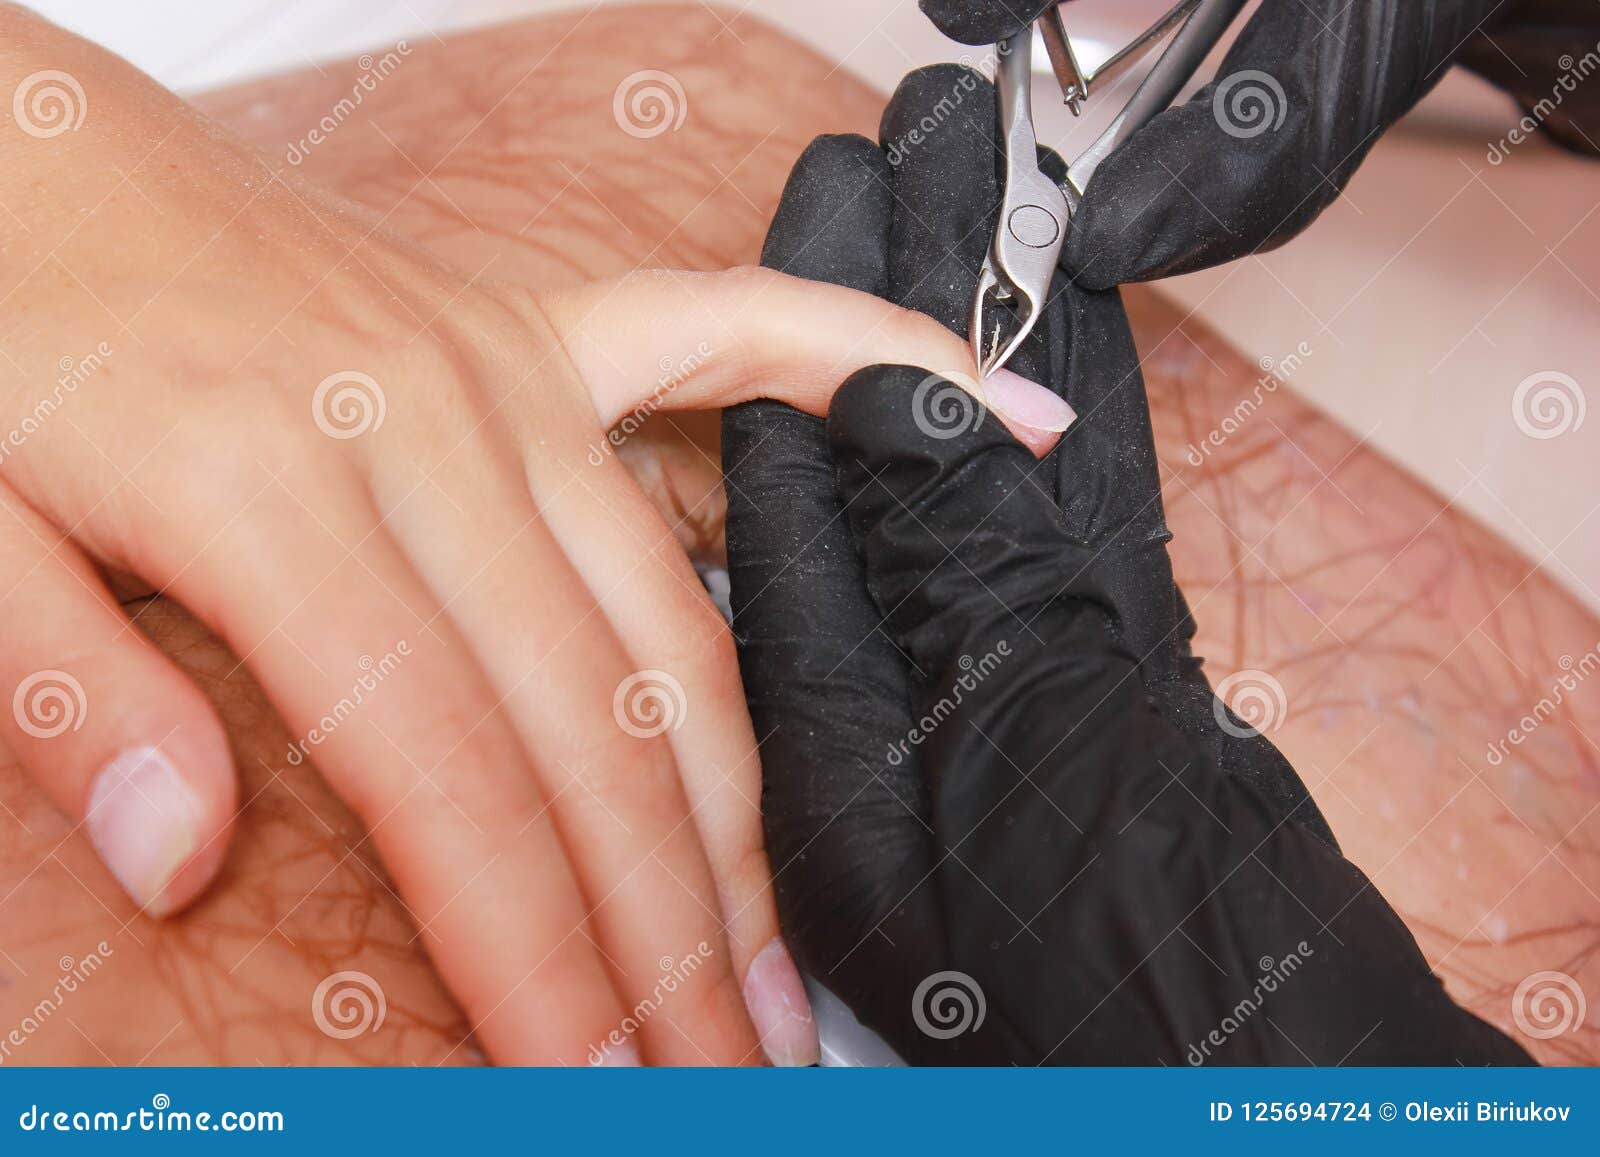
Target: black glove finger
(1301, 97)
(1109, 485)
(826, 690)
(939, 131)
(941, 134)
(1108, 482)
(982, 21)
(960, 542)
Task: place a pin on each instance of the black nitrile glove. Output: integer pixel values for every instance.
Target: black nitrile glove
(992, 767)
(982, 21)
(1299, 100)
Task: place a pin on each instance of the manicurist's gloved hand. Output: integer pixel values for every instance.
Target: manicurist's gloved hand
(1300, 98)
(1008, 820)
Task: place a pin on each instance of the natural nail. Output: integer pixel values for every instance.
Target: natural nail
(143, 821)
(623, 1054)
(1026, 403)
(776, 998)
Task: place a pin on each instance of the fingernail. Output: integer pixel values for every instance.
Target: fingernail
(776, 998)
(1027, 403)
(142, 820)
(617, 1055)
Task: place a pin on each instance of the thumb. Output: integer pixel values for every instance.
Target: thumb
(672, 340)
(982, 21)
(961, 537)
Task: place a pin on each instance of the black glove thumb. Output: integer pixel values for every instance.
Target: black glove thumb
(982, 21)
(962, 540)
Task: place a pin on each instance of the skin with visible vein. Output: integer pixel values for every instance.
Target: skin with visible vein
(1407, 637)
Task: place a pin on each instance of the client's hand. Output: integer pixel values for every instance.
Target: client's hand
(392, 493)
(1010, 821)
